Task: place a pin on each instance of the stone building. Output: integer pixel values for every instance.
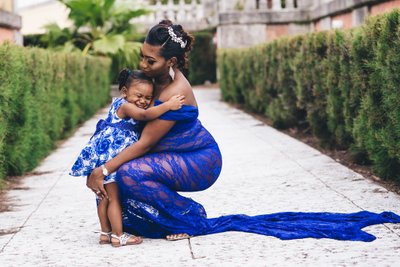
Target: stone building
(10, 23)
(243, 23)
(40, 13)
(195, 15)
(239, 23)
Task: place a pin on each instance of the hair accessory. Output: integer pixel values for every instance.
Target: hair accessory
(129, 72)
(175, 38)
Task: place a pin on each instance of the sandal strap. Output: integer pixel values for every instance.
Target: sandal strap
(105, 233)
(123, 238)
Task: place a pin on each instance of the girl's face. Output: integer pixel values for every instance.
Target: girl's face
(139, 94)
(152, 63)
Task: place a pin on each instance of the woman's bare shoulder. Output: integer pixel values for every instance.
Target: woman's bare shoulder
(177, 87)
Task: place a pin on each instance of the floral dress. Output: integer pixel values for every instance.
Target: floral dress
(112, 135)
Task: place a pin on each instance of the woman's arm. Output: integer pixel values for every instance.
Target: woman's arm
(152, 133)
(132, 111)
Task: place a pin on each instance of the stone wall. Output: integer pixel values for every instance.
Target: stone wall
(10, 23)
(252, 22)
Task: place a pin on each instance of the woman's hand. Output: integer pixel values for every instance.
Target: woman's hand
(95, 182)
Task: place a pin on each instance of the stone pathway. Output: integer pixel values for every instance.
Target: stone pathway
(53, 220)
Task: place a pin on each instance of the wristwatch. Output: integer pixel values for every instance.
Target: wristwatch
(105, 171)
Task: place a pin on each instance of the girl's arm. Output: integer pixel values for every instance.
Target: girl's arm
(152, 133)
(132, 111)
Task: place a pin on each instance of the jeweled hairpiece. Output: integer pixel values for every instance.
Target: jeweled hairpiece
(175, 38)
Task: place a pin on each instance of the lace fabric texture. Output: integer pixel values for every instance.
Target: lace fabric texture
(188, 159)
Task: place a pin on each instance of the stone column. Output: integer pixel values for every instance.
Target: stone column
(222, 5)
(263, 4)
(250, 5)
(358, 16)
(241, 35)
(325, 23)
(157, 11)
(289, 4)
(170, 11)
(304, 4)
(210, 11)
(276, 5)
(181, 15)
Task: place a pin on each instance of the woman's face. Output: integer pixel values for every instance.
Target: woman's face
(152, 63)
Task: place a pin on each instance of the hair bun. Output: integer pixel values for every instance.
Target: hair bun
(123, 77)
(166, 22)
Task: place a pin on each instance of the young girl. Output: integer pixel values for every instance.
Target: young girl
(120, 129)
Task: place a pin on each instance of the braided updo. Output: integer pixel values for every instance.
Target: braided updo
(158, 35)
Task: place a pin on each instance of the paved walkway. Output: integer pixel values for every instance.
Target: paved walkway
(264, 171)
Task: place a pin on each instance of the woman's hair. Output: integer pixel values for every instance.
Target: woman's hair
(127, 76)
(177, 43)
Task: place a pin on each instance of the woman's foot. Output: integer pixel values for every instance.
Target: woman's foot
(176, 237)
(125, 240)
(105, 238)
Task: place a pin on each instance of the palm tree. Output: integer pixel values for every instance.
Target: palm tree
(100, 27)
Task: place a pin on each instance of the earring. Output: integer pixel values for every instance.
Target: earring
(171, 72)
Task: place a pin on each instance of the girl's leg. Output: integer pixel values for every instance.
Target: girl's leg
(104, 222)
(114, 211)
(114, 214)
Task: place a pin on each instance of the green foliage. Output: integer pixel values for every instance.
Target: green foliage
(100, 27)
(285, 86)
(43, 96)
(380, 103)
(202, 59)
(342, 85)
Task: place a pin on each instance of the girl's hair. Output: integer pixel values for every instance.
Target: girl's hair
(127, 76)
(158, 35)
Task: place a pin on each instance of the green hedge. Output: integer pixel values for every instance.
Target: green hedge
(342, 85)
(43, 96)
(202, 59)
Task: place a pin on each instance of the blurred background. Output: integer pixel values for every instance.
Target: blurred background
(116, 28)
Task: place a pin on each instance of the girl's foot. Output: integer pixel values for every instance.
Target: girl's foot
(105, 238)
(176, 237)
(125, 240)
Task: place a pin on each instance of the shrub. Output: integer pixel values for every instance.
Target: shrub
(43, 96)
(202, 58)
(342, 85)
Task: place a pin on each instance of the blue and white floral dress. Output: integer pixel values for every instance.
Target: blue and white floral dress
(112, 135)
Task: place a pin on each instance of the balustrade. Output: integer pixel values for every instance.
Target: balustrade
(261, 5)
(186, 14)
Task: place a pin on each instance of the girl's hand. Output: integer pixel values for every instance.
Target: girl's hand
(95, 183)
(176, 102)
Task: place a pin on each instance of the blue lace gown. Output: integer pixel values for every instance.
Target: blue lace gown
(187, 158)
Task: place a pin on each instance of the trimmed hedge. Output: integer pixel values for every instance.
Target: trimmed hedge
(342, 85)
(202, 59)
(43, 96)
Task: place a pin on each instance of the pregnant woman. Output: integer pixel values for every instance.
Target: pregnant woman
(176, 153)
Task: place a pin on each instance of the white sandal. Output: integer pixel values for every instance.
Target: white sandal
(123, 240)
(108, 235)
